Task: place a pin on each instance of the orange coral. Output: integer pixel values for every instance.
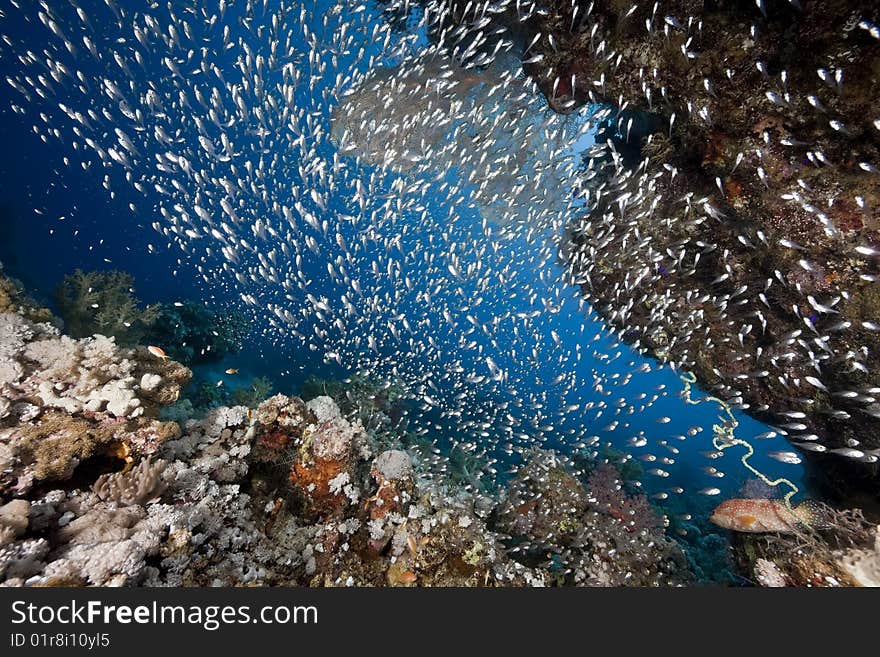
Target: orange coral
(733, 189)
(270, 445)
(312, 481)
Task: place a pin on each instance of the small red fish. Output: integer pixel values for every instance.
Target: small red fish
(764, 515)
(408, 577)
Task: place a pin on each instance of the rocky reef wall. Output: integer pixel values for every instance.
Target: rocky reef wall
(735, 229)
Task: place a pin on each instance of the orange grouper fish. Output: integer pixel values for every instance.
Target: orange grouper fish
(764, 515)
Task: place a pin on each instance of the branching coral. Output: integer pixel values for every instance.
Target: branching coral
(104, 302)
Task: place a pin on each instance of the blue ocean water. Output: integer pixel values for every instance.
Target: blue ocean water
(62, 208)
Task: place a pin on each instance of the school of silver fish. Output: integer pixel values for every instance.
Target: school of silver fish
(403, 206)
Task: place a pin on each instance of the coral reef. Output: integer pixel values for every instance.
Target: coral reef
(203, 529)
(14, 299)
(379, 406)
(207, 392)
(596, 536)
(608, 495)
(725, 229)
(843, 549)
(63, 401)
(103, 302)
(97, 491)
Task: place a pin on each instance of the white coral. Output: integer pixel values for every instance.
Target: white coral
(863, 566)
(92, 374)
(222, 418)
(324, 408)
(57, 358)
(393, 464)
(336, 484)
(117, 398)
(768, 574)
(10, 372)
(47, 394)
(150, 382)
(377, 529)
(15, 331)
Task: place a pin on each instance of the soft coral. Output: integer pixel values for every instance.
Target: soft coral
(633, 510)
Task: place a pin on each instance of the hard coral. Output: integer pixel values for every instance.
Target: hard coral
(392, 471)
(136, 486)
(280, 422)
(317, 447)
(324, 470)
(66, 400)
(285, 493)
